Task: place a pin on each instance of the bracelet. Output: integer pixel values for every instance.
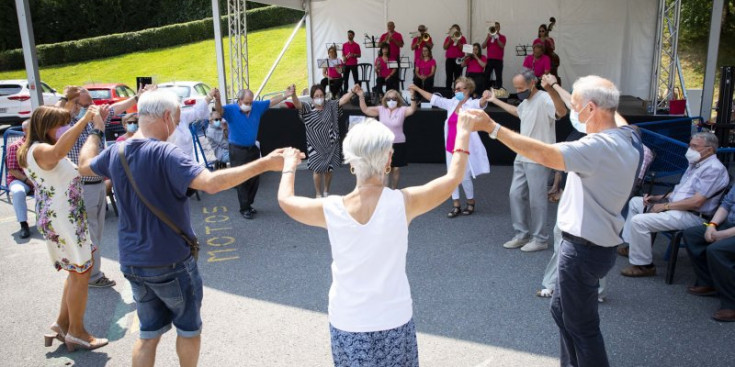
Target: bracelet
(712, 224)
(666, 206)
(553, 84)
(458, 150)
(287, 171)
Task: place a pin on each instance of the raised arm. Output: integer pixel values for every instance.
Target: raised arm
(513, 110)
(223, 179)
(280, 98)
(122, 106)
(218, 102)
(91, 148)
(295, 99)
(368, 111)
(414, 105)
(421, 199)
(420, 91)
(346, 98)
(47, 155)
(549, 82)
(301, 209)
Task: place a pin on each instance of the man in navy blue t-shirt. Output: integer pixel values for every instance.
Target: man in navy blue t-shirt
(163, 275)
(243, 119)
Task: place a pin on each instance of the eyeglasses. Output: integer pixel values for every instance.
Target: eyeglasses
(458, 89)
(216, 119)
(391, 99)
(132, 122)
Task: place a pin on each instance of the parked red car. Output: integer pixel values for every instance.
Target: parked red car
(111, 93)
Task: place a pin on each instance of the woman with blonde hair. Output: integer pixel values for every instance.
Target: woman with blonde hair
(62, 218)
(392, 113)
(479, 163)
(370, 306)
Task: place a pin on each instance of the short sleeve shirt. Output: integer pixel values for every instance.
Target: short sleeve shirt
(705, 178)
(601, 169)
(727, 204)
(425, 66)
(163, 173)
(395, 51)
(494, 51)
(244, 127)
(539, 66)
(538, 116)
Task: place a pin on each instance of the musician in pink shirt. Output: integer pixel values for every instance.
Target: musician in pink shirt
(384, 76)
(453, 46)
(418, 43)
(333, 73)
(394, 40)
(538, 62)
(495, 45)
(423, 73)
(475, 64)
(350, 53)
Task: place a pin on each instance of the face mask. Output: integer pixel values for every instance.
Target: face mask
(246, 108)
(318, 101)
(132, 128)
(60, 131)
(523, 95)
(693, 156)
(459, 96)
(82, 112)
(392, 104)
(217, 123)
(574, 119)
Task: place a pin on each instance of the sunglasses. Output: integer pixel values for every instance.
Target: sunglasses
(216, 119)
(391, 99)
(132, 122)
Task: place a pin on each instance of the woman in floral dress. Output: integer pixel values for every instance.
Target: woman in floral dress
(61, 216)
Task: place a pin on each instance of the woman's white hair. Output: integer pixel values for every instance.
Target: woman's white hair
(597, 90)
(367, 147)
(153, 105)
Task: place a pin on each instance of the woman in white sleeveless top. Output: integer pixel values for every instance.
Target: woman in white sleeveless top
(61, 216)
(370, 307)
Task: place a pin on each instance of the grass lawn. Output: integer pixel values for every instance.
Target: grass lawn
(195, 61)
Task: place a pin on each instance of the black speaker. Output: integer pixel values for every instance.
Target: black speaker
(723, 125)
(142, 81)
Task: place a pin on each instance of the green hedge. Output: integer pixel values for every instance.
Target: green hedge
(153, 38)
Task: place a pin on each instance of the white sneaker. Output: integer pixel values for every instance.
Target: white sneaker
(515, 243)
(534, 246)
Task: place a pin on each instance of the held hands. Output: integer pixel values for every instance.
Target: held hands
(89, 115)
(215, 93)
(289, 91)
(413, 88)
(146, 88)
(547, 80)
(98, 120)
(710, 235)
(489, 95)
(358, 90)
(104, 112)
(475, 120)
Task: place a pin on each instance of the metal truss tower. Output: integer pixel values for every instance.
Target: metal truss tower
(237, 27)
(666, 65)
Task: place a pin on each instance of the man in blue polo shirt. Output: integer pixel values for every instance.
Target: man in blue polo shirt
(243, 119)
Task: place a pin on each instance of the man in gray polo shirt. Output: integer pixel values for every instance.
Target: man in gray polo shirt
(538, 112)
(602, 168)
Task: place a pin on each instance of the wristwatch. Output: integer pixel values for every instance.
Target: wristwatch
(98, 132)
(494, 133)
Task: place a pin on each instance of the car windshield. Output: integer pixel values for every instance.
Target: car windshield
(181, 91)
(99, 93)
(9, 89)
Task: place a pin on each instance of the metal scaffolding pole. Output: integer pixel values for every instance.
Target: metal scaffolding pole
(710, 68)
(665, 55)
(219, 51)
(237, 26)
(29, 52)
(280, 56)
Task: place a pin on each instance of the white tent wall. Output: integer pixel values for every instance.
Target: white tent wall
(614, 39)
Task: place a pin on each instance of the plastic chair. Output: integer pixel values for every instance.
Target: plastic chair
(10, 136)
(364, 72)
(402, 76)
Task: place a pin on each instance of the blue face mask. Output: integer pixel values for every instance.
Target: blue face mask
(216, 122)
(523, 95)
(459, 96)
(82, 112)
(132, 128)
(574, 119)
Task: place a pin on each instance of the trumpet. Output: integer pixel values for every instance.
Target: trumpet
(492, 30)
(426, 37)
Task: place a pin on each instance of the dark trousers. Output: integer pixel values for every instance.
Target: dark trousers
(574, 303)
(453, 71)
(714, 263)
(335, 86)
(246, 191)
(389, 83)
(426, 84)
(346, 70)
(494, 66)
(479, 79)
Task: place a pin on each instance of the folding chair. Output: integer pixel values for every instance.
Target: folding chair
(203, 152)
(10, 136)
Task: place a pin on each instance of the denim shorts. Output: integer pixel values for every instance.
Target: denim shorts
(165, 295)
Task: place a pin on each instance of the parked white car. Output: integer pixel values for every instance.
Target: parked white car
(190, 93)
(15, 100)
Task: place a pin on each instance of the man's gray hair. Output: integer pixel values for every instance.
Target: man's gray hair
(366, 148)
(710, 139)
(243, 92)
(597, 90)
(528, 76)
(153, 105)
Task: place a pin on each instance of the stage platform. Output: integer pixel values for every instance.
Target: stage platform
(425, 130)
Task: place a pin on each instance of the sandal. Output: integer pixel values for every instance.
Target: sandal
(469, 209)
(455, 212)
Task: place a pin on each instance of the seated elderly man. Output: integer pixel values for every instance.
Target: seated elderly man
(19, 184)
(711, 249)
(695, 197)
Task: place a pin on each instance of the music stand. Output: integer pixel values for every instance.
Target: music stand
(322, 63)
(523, 50)
(373, 43)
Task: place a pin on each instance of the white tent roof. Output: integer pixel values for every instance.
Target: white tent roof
(613, 39)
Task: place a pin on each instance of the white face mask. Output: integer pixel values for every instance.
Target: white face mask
(693, 156)
(245, 108)
(318, 101)
(392, 104)
(578, 125)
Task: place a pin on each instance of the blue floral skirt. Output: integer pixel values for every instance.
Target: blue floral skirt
(385, 348)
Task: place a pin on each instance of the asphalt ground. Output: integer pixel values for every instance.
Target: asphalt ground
(266, 282)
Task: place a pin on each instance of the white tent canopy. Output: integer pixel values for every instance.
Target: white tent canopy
(613, 39)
